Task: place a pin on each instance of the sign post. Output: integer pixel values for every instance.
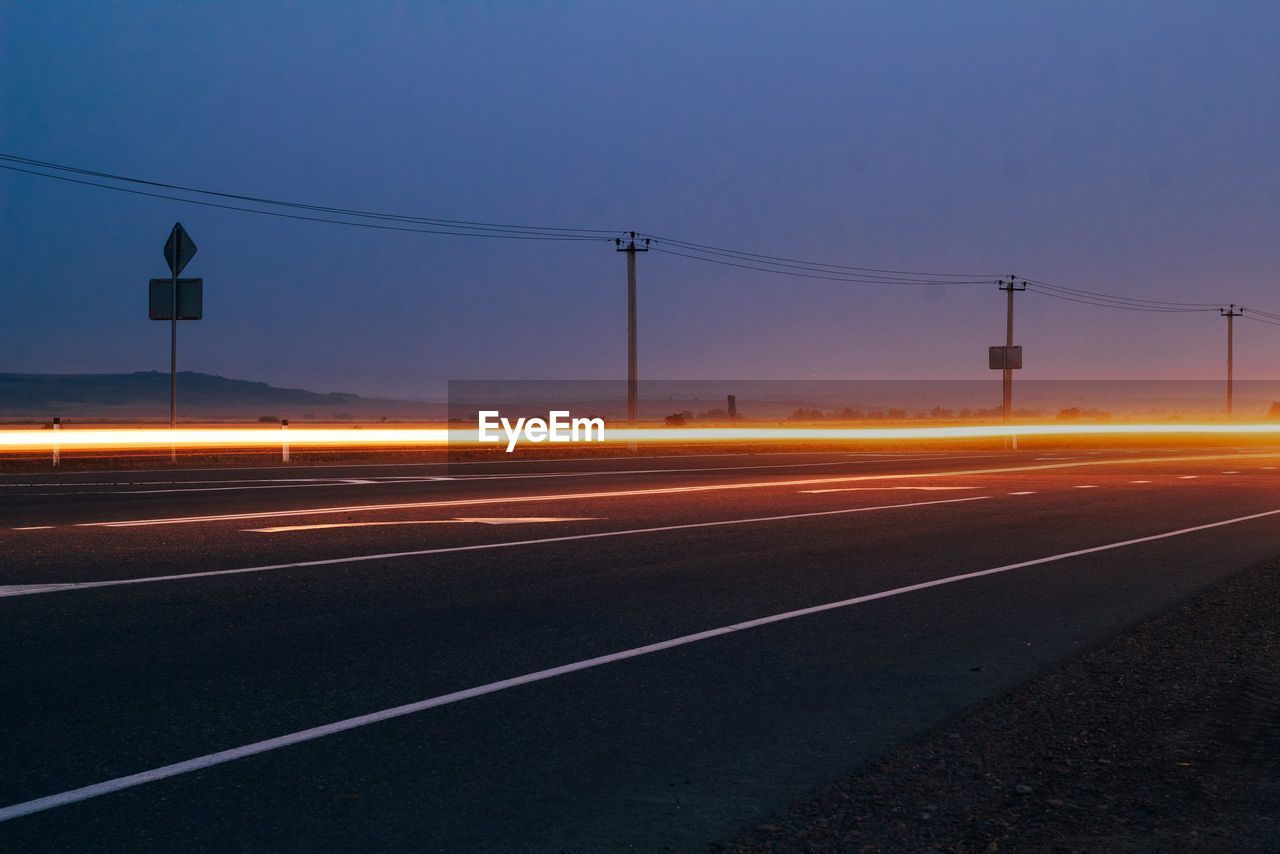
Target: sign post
(178, 250)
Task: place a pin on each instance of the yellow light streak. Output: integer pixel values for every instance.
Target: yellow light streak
(120, 439)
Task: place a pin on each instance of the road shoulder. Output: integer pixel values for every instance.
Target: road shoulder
(1165, 738)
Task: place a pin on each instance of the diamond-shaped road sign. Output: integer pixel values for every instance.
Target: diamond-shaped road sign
(178, 249)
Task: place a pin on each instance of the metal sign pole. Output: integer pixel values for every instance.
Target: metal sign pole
(178, 250)
(173, 357)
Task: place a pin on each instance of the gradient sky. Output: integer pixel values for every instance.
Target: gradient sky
(1125, 147)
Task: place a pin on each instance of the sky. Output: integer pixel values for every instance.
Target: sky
(1126, 147)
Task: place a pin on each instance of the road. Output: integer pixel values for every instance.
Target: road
(577, 655)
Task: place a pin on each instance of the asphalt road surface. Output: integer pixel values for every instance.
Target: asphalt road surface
(579, 655)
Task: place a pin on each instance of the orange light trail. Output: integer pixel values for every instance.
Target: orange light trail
(118, 439)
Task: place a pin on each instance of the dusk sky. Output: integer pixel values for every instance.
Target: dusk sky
(1131, 148)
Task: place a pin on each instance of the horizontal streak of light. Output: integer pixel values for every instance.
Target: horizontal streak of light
(664, 490)
(196, 438)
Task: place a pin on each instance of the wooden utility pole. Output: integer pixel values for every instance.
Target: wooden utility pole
(631, 247)
(1230, 313)
(1009, 287)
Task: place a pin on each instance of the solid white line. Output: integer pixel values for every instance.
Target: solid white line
(473, 520)
(627, 493)
(210, 759)
(885, 489)
(61, 587)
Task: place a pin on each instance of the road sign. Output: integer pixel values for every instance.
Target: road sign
(178, 249)
(190, 299)
(996, 357)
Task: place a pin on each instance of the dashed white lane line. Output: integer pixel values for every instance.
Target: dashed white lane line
(1231, 472)
(1023, 492)
(208, 760)
(1086, 486)
(33, 528)
(62, 587)
(631, 493)
(1188, 476)
(1139, 481)
(473, 520)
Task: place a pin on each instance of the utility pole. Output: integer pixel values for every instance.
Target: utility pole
(631, 247)
(1009, 288)
(1230, 313)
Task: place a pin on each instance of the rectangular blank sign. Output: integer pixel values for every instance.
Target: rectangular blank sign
(190, 299)
(996, 357)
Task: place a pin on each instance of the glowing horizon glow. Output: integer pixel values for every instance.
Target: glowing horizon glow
(110, 439)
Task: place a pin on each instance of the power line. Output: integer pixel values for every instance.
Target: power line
(719, 250)
(833, 278)
(282, 215)
(1123, 307)
(1117, 298)
(706, 253)
(452, 223)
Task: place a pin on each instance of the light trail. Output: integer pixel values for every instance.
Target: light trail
(115, 439)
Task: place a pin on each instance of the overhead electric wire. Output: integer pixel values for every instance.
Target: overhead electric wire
(282, 215)
(1248, 316)
(1118, 298)
(822, 269)
(452, 223)
(813, 275)
(719, 250)
(1120, 306)
(777, 265)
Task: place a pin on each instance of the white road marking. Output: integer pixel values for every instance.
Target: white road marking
(209, 760)
(1188, 476)
(1231, 472)
(33, 528)
(313, 483)
(1024, 492)
(62, 587)
(1139, 481)
(885, 489)
(476, 520)
(403, 465)
(1086, 486)
(625, 493)
(544, 475)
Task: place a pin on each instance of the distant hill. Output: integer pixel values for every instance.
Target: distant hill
(145, 394)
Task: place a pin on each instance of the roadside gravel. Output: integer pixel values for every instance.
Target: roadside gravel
(1165, 738)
